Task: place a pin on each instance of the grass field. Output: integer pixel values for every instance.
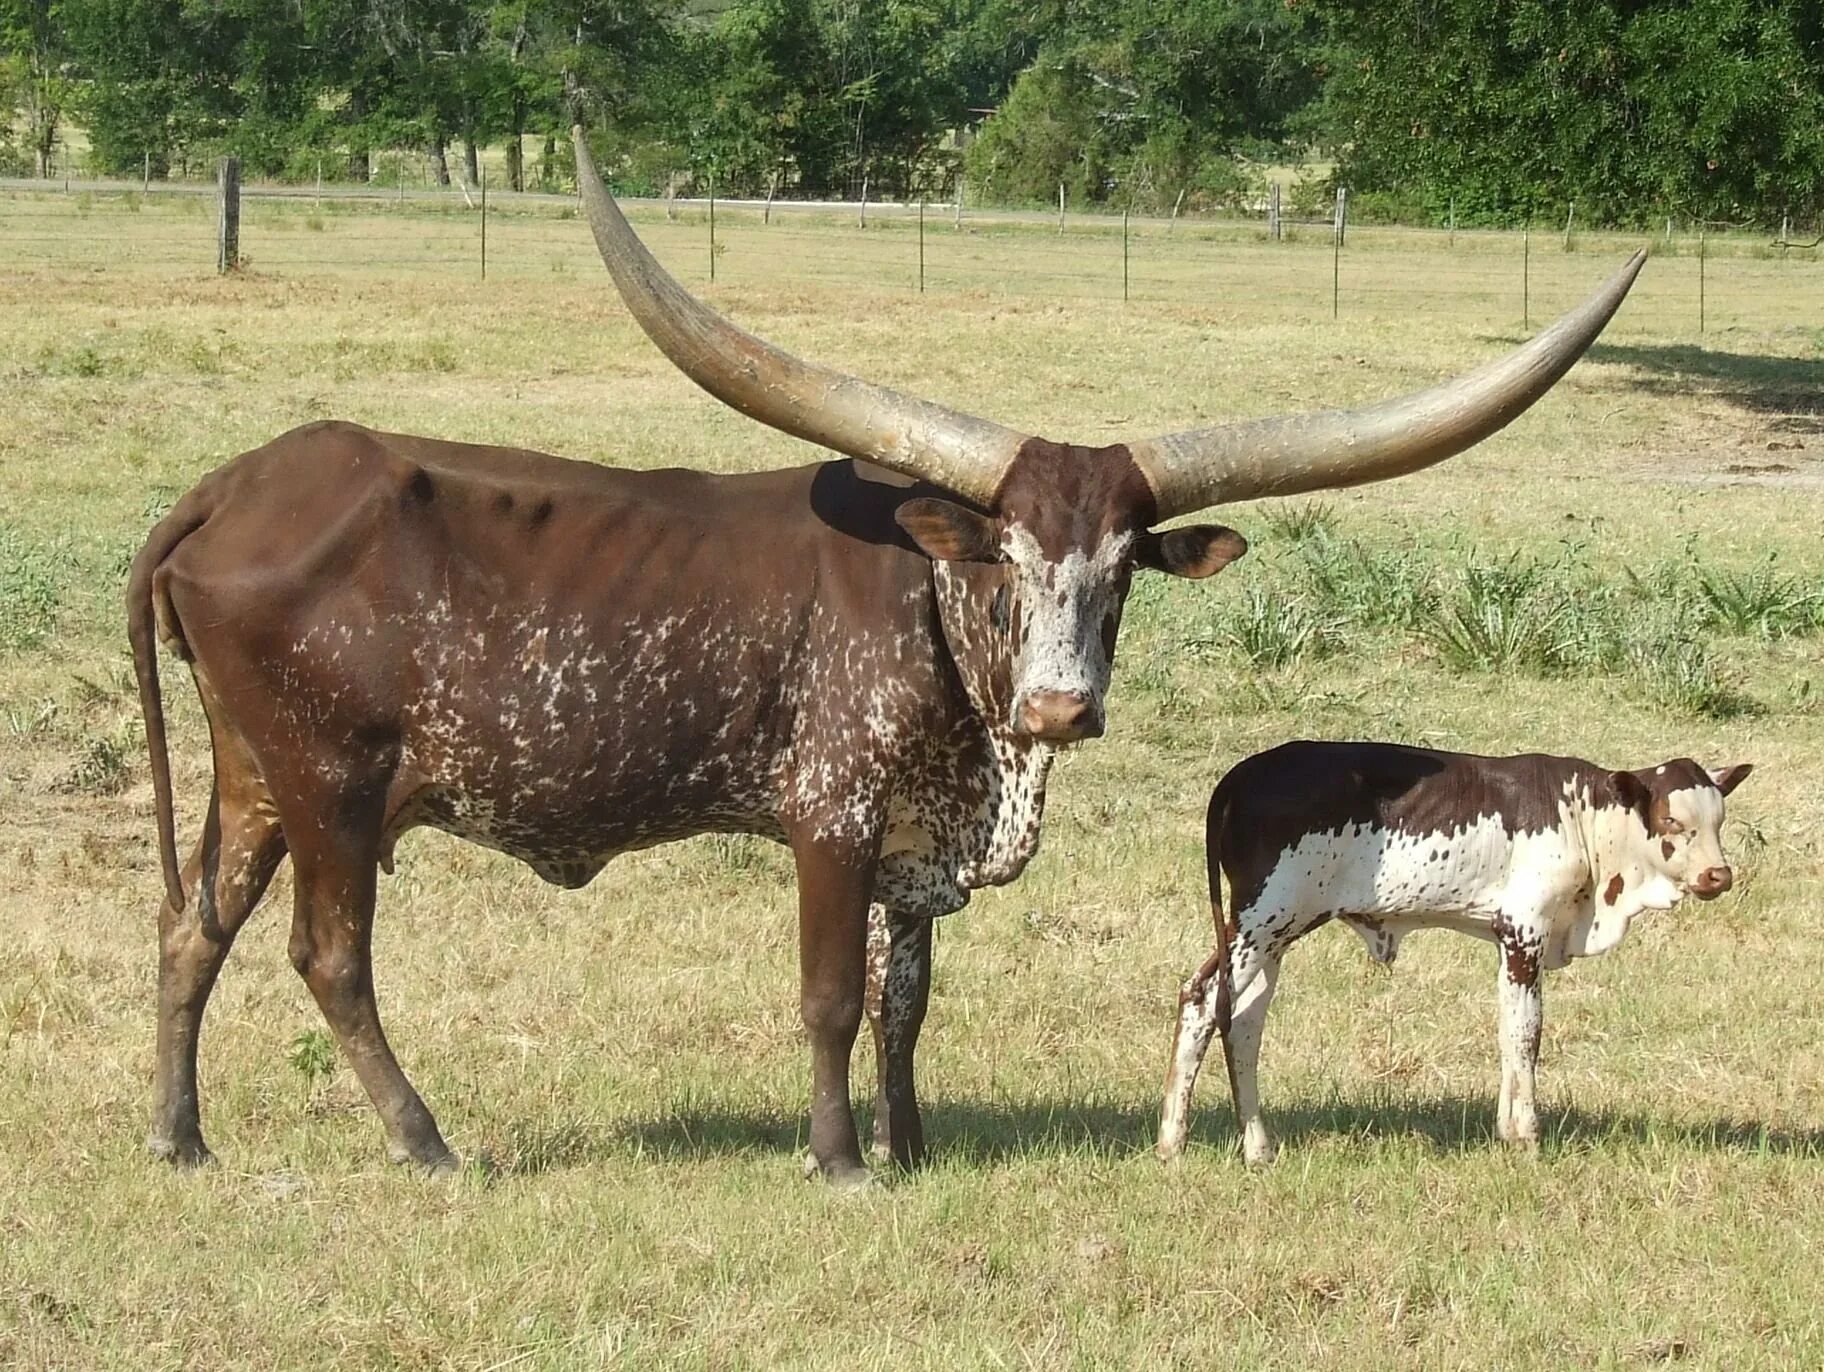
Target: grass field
(1633, 571)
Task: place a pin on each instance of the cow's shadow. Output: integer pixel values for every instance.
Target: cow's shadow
(985, 1133)
(1791, 388)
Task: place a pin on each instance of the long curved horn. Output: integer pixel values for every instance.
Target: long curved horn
(951, 449)
(1328, 448)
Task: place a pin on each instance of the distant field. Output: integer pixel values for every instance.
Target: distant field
(1643, 557)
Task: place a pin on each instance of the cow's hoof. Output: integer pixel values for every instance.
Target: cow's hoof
(180, 1152)
(433, 1163)
(843, 1175)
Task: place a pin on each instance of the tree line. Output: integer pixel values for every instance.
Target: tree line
(1489, 110)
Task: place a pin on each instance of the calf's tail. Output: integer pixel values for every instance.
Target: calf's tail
(142, 633)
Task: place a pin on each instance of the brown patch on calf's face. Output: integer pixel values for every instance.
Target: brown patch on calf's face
(1612, 892)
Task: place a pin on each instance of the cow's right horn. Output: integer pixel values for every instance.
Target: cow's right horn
(957, 451)
(1329, 448)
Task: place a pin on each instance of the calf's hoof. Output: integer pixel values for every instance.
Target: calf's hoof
(1259, 1152)
(186, 1152)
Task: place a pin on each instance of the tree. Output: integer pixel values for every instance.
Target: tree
(39, 79)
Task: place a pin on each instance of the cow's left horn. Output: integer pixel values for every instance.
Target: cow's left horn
(951, 449)
(1307, 452)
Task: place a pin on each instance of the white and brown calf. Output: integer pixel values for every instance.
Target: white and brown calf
(1548, 858)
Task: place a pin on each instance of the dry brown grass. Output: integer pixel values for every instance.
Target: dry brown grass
(627, 1059)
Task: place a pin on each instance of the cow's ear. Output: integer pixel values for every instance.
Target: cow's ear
(1726, 779)
(1196, 551)
(948, 532)
(1632, 792)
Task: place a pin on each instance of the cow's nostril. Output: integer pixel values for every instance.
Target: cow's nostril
(1713, 881)
(1059, 717)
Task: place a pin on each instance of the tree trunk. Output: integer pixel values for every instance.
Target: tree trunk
(437, 151)
(516, 145)
(471, 161)
(359, 167)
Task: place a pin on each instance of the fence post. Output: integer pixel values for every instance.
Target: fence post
(772, 189)
(712, 226)
(481, 178)
(1570, 215)
(959, 202)
(228, 240)
(1703, 234)
(1342, 214)
(319, 183)
(1273, 212)
(1060, 207)
(1453, 221)
(1124, 254)
(1526, 285)
(1336, 261)
(921, 245)
(145, 178)
(1178, 204)
(861, 219)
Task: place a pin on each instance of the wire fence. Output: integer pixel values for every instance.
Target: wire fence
(1705, 281)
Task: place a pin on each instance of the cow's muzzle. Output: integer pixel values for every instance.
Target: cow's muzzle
(1712, 882)
(1059, 717)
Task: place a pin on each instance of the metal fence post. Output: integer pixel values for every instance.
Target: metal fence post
(228, 239)
(921, 245)
(1124, 254)
(1526, 284)
(712, 226)
(481, 178)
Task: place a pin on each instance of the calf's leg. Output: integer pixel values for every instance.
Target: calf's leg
(1522, 1015)
(899, 989)
(1202, 1009)
(1256, 975)
(240, 848)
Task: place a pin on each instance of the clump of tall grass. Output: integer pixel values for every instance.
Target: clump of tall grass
(1303, 522)
(1763, 603)
(1275, 630)
(1503, 616)
(1364, 586)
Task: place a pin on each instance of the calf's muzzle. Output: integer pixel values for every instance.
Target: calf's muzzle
(1712, 882)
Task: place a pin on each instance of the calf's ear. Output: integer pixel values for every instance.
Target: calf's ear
(1197, 551)
(946, 531)
(1726, 779)
(1632, 792)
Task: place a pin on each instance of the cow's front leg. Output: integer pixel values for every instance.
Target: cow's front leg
(1255, 973)
(834, 883)
(1522, 1015)
(899, 989)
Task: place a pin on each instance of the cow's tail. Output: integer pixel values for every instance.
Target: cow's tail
(142, 633)
(1200, 1017)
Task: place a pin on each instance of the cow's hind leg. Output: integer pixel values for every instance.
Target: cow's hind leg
(240, 848)
(332, 948)
(899, 990)
(1522, 1017)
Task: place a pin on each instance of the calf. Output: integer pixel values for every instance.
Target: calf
(1548, 858)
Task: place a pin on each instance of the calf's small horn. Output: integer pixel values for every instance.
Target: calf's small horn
(1329, 448)
(916, 437)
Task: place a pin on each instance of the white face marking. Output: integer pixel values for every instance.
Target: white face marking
(1063, 607)
(1698, 846)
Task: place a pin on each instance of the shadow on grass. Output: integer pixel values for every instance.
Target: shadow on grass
(982, 1133)
(1790, 387)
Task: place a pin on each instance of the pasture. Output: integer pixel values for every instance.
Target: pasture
(1631, 572)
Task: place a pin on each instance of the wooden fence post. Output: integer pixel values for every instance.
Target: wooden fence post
(1342, 214)
(1569, 217)
(1526, 283)
(861, 218)
(959, 202)
(481, 177)
(1275, 230)
(921, 245)
(228, 240)
(712, 226)
(1060, 207)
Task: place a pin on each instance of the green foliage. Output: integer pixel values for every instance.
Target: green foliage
(32, 579)
(1631, 109)
(1278, 630)
(313, 1057)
